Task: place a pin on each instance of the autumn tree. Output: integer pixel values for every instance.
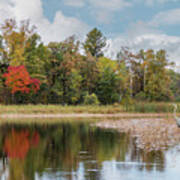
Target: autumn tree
(3, 64)
(63, 70)
(94, 43)
(89, 72)
(15, 40)
(127, 58)
(175, 84)
(157, 85)
(19, 80)
(36, 56)
(148, 74)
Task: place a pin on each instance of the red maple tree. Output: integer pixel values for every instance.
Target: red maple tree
(19, 80)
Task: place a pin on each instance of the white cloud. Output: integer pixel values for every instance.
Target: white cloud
(5, 10)
(169, 17)
(155, 2)
(146, 35)
(101, 9)
(138, 35)
(110, 5)
(61, 27)
(147, 41)
(104, 9)
(74, 3)
(139, 28)
(143, 36)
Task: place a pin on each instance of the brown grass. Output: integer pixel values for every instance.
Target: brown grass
(150, 134)
(136, 107)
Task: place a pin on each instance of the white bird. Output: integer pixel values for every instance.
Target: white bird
(175, 117)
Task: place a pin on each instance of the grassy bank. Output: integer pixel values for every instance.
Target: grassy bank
(46, 121)
(110, 109)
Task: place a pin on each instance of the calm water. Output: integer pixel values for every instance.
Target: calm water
(79, 152)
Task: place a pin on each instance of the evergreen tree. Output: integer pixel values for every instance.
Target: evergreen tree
(95, 42)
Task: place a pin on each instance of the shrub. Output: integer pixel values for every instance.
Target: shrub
(141, 96)
(177, 99)
(91, 99)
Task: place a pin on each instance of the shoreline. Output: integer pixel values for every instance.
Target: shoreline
(150, 134)
(87, 115)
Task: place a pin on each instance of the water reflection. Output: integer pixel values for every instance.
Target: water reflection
(72, 151)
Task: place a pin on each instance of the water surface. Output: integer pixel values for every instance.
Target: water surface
(78, 151)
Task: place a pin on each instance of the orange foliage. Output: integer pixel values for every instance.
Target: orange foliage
(35, 139)
(17, 144)
(19, 80)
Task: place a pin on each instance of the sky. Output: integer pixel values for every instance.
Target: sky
(136, 24)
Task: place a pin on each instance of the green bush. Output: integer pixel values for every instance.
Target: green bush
(91, 99)
(141, 96)
(177, 99)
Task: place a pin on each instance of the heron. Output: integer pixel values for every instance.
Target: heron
(175, 117)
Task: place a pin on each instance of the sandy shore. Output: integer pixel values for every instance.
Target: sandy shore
(86, 115)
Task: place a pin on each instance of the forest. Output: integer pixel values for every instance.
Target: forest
(73, 72)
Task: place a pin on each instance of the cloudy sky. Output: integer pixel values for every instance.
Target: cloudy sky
(133, 23)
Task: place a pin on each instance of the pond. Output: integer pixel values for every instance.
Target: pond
(79, 151)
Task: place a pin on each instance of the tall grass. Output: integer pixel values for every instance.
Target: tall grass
(138, 107)
(152, 107)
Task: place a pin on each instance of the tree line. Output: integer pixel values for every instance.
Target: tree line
(57, 73)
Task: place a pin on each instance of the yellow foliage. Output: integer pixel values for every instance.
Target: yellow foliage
(16, 40)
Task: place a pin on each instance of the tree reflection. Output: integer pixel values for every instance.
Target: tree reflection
(62, 148)
(17, 144)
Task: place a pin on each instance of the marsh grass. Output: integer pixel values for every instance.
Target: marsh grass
(58, 109)
(152, 107)
(138, 107)
(46, 121)
(150, 134)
